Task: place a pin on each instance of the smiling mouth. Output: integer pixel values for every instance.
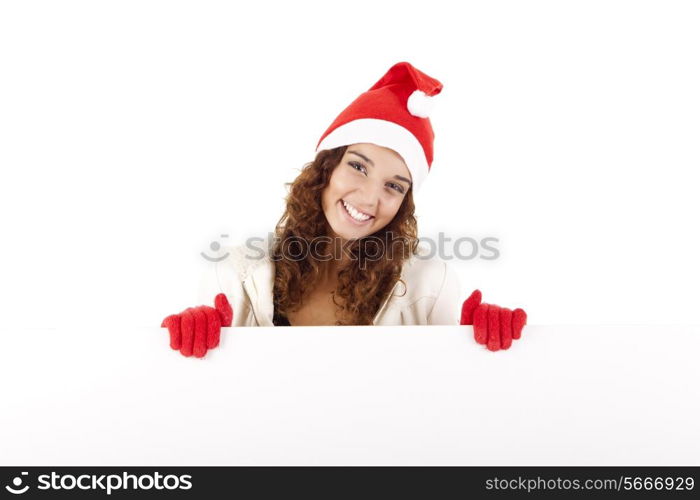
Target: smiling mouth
(355, 216)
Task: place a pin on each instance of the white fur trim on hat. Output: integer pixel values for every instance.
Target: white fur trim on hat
(382, 133)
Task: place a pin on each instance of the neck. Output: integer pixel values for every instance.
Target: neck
(329, 269)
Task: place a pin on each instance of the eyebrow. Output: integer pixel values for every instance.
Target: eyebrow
(372, 163)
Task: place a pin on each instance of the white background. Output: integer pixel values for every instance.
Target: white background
(135, 133)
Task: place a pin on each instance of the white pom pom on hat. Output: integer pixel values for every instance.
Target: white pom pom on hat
(419, 104)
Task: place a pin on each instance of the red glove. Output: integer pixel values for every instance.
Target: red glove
(493, 325)
(197, 329)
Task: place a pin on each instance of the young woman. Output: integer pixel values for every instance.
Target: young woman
(345, 251)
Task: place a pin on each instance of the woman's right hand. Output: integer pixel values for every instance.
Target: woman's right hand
(197, 329)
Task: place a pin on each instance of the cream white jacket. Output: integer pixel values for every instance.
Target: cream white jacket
(431, 296)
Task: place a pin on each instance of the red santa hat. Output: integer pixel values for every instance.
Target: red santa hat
(393, 113)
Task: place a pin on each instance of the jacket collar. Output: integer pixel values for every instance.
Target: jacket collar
(259, 287)
(380, 311)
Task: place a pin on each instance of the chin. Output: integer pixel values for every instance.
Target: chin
(350, 235)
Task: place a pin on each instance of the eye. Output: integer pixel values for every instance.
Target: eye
(396, 187)
(358, 166)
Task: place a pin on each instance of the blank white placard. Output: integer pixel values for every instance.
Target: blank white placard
(562, 395)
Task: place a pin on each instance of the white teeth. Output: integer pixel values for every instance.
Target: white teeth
(354, 213)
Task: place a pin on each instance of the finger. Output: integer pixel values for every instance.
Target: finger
(187, 328)
(493, 314)
(172, 323)
(481, 333)
(199, 344)
(224, 308)
(468, 308)
(506, 321)
(213, 327)
(519, 320)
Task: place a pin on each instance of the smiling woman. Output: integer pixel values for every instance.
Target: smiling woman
(358, 191)
(346, 249)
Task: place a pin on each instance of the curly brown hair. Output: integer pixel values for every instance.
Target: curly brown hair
(365, 282)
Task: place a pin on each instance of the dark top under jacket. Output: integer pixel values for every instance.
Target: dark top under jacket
(280, 320)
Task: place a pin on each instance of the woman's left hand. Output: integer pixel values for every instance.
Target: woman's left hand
(494, 326)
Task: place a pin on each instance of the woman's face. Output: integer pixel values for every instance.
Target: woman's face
(365, 190)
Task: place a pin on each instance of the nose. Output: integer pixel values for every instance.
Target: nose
(371, 193)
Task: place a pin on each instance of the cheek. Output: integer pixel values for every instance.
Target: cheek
(343, 181)
(392, 206)
(341, 186)
(336, 188)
